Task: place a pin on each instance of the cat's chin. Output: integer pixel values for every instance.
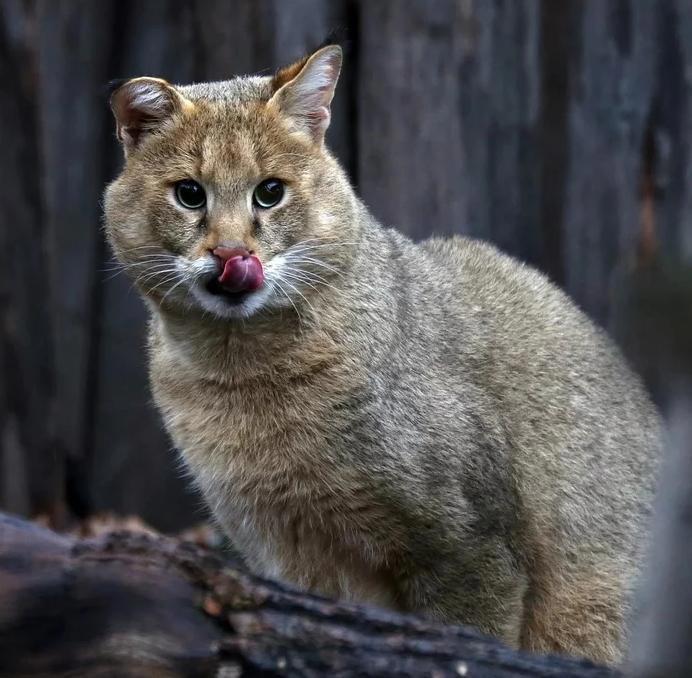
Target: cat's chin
(215, 288)
(229, 305)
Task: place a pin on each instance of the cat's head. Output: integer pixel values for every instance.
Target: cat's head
(229, 202)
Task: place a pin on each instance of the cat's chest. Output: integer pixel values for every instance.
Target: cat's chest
(248, 435)
(271, 472)
(263, 453)
(277, 468)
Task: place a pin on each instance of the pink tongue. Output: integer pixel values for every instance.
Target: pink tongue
(242, 274)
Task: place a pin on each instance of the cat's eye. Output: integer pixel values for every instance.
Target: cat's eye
(190, 194)
(268, 193)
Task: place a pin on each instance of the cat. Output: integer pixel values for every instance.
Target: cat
(433, 427)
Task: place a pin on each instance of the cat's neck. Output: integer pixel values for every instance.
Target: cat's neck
(229, 353)
(230, 350)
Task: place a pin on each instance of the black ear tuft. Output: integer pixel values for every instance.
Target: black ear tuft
(112, 86)
(336, 36)
(332, 39)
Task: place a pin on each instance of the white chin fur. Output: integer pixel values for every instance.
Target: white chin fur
(218, 306)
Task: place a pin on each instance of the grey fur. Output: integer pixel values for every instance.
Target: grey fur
(438, 429)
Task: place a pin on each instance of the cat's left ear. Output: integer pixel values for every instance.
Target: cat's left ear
(304, 90)
(143, 105)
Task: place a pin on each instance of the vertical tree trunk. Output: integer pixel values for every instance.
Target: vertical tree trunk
(31, 465)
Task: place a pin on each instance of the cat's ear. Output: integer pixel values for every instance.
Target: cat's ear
(303, 91)
(142, 105)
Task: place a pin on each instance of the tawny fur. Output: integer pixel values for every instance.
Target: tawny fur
(430, 427)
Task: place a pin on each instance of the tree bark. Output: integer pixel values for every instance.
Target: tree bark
(130, 604)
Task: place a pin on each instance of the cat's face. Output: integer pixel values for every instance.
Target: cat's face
(228, 202)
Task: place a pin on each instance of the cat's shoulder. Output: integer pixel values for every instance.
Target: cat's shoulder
(470, 252)
(482, 274)
(475, 258)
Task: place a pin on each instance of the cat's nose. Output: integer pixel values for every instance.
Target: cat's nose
(225, 253)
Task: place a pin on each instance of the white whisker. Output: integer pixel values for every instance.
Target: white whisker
(166, 281)
(309, 305)
(304, 281)
(308, 277)
(295, 308)
(317, 262)
(152, 274)
(180, 282)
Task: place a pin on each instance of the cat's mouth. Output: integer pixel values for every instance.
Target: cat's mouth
(214, 287)
(216, 298)
(239, 274)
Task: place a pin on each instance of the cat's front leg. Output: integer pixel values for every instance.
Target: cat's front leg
(484, 588)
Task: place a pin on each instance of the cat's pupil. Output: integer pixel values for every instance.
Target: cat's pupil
(268, 193)
(190, 194)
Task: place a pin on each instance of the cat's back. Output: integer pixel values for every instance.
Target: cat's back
(578, 417)
(516, 321)
(517, 334)
(486, 283)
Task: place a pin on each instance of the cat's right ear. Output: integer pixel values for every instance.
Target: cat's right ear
(303, 91)
(142, 105)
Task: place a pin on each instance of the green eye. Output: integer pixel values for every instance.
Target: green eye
(190, 194)
(268, 193)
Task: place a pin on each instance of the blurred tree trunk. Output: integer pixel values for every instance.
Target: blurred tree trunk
(663, 626)
(31, 463)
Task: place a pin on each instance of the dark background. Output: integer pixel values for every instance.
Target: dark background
(560, 130)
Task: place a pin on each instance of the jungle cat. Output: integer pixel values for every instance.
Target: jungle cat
(429, 427)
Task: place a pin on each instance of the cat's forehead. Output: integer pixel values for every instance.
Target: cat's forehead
(226, 134)
(239, 90)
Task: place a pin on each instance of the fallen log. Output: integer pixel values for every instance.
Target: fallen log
(132, 604)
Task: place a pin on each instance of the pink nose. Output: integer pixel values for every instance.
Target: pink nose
(242, 270)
